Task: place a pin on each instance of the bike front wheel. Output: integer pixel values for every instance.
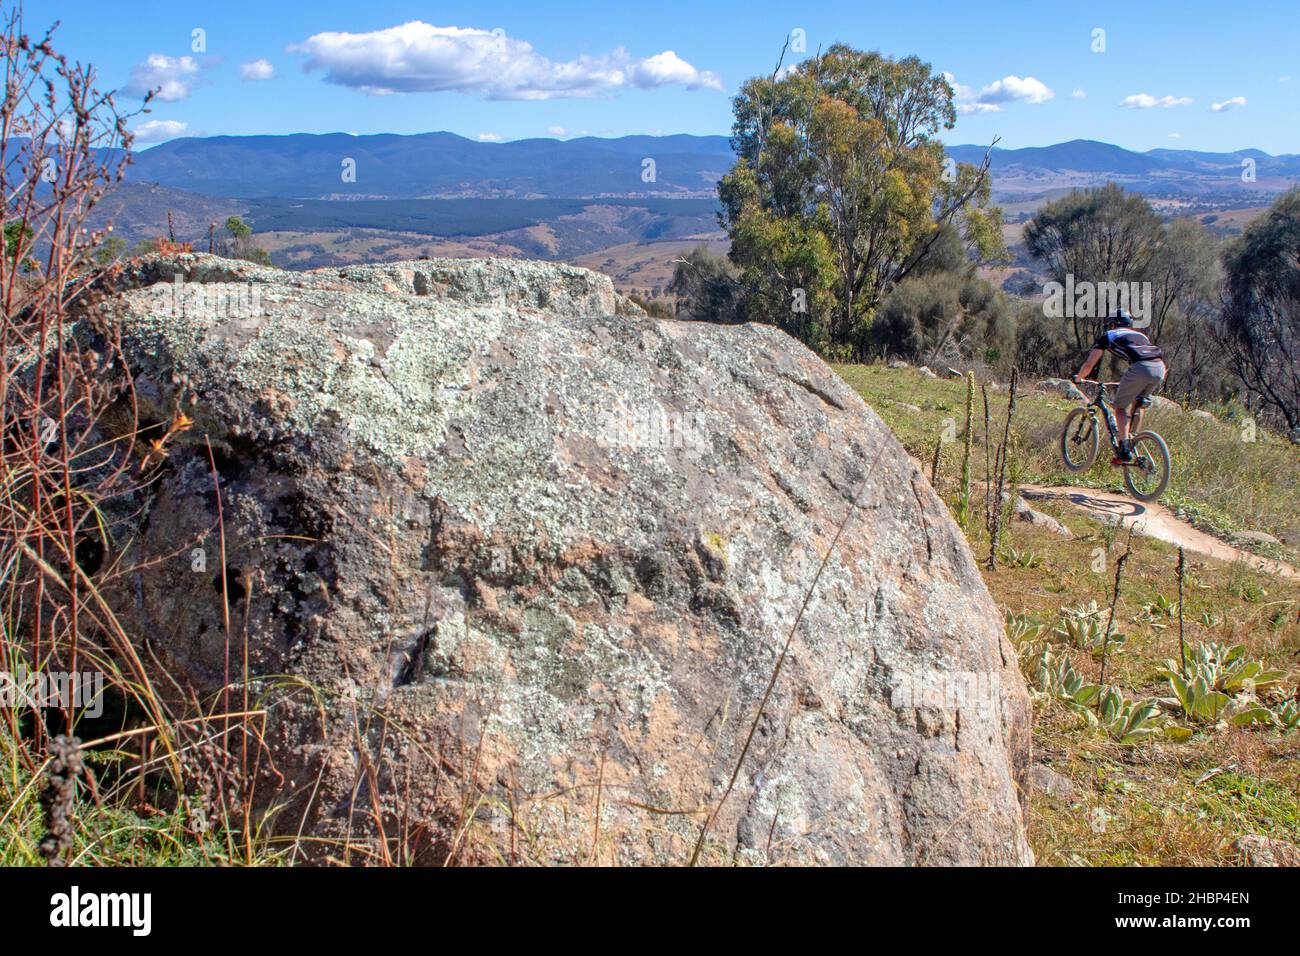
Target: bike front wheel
(1148, 476)
(1079, 440)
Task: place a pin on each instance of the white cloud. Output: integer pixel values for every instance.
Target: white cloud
(964, 98)
(559, 132)
(257, 70)
(155, 131)
(1175, 135)
(1284, 79)
(173, 77)
(1228, 104)
(1145, 101)
(1079, 95)
(991, 98)
(418, 57)
(668, 69)
(1013, 88)
(490, 137)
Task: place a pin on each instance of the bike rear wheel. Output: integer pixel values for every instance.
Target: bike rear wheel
(1148, 476)
(1079, 440)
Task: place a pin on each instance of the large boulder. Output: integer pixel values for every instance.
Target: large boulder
(515, 575)
(1062, 387)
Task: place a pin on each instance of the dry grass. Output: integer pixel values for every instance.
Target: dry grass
(165, 778)
(1156, 803)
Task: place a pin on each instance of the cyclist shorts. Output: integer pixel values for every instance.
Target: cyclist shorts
(1140, 380)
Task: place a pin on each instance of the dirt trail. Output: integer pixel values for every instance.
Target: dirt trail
(1154, 520)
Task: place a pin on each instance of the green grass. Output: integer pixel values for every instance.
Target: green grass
(1252, 804)
(108, 832)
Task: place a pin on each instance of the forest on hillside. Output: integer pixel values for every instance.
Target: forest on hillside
(852, 231)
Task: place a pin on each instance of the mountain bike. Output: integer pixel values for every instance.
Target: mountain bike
(1146, 475)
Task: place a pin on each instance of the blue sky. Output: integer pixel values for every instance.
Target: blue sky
(1025, 72)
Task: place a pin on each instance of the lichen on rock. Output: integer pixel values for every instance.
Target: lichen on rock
(540, 556)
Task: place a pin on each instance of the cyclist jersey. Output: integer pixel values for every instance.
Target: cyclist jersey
(1129, 344)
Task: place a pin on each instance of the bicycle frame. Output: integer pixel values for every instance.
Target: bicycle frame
(1112, 427)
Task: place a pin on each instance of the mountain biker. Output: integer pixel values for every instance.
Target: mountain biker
(1144, 375)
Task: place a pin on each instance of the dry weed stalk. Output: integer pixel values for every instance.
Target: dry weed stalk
(72, 480)
(1000, 468)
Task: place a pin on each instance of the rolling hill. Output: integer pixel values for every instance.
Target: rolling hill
(447, 166)
(1167, 173)
(434, 166)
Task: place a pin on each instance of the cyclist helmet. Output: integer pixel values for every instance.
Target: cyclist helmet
(1120, 318)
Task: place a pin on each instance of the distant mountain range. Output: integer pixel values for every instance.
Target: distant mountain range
(435, 166)
(1158, 172)
(446, 166)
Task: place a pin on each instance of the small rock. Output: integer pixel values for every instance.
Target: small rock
(1107, 518)
(1259, 850)
(899, 363)
(625, 306)
(924, 370)
(1165, 404)
(1204, 414)
(1047, 781)
(906, 407)
(1039, 520)
(1254, 537)
(1061, 387)
(953, 373)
